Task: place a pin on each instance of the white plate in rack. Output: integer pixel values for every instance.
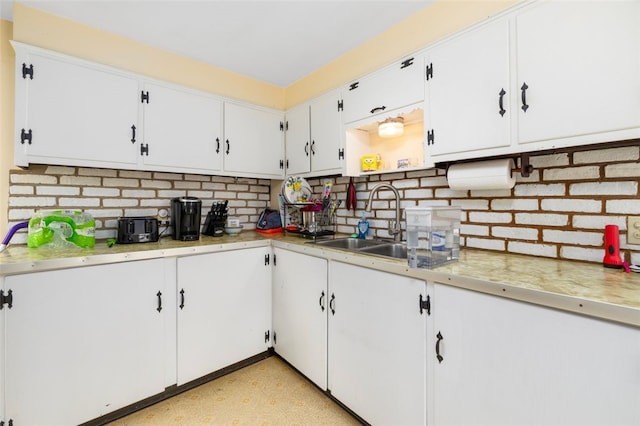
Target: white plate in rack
(296, 190)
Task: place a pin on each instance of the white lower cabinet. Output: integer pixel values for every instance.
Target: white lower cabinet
(224, 309)
(377, 344)
(505, 362)
(300, 304)
(83, 342)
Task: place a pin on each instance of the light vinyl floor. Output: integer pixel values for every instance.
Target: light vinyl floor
(268, 392)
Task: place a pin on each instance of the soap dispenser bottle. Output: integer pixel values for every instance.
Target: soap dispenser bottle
(363, 227)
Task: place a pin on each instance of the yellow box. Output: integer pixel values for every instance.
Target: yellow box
(370, 163)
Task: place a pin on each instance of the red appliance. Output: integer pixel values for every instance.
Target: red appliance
(612, 257)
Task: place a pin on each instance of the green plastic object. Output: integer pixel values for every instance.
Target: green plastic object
(61, 228)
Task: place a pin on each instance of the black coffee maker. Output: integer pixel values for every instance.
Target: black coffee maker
(185, 218)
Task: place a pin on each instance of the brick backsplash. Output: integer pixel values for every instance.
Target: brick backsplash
(559, 211)
(110, 194)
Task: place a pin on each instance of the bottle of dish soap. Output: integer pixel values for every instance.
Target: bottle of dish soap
(363, 227)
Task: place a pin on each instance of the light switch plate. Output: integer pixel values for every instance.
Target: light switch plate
(633, 229)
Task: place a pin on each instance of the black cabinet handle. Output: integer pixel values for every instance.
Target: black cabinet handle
(313, 147)
(159, 294)
(306, 149)
(502, 110)
(440, 338)
(332, 304)
(378, 109)
(182, 298)
(321, 301)
(524, 88)
(228, 146)
(133, 134)
(217, 145)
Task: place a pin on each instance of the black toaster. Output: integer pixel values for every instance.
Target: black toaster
(137, 230)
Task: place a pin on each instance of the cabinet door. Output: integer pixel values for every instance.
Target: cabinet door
(298, 140)
(326, 139)
(581, 71)
(506, 362)
(77, 114)
(394, 86)
(182, 130)
(83, 342)
(300, 313)
(468, 91)
(377, 345)
(224, 310)
(253, 141)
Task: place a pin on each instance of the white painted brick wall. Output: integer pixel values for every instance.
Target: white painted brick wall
(542, 219)
(559, 211)
(514, 233)
(531, 249)
(110, 194)
(571, 205)
(573, 237)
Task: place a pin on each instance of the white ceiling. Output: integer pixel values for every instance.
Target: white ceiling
(278, 42)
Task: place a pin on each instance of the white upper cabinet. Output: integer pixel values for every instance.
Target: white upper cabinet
(253, 141)
(394, 86)
(313, 142)
(182, 129)
(578, 72)
(298, 140)
(468, 108)
(72, 112)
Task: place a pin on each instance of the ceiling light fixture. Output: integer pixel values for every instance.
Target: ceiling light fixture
(391, 127)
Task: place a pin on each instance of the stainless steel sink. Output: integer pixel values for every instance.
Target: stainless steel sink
(395, 250)
(383, 248)
(349, 243)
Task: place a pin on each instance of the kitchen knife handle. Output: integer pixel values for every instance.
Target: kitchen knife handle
(332, 304)
(228, 146)
(159, 308)
(500, 102)
(440, 338)
(523, 95)
(321, 301)
(182, 298)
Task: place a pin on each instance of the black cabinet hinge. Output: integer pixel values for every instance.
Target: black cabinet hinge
(429, 72)
(425, 305)
(406, 63)
(354, 86)
(430, 137)
(144, 149)
(26, 136)
(6, 299)
(340, 105)
(266, 259)
(341, 154)
(27, 71)
(266, 336)
(281, 164)
(144, 96)
(281, 126)
(8, 424)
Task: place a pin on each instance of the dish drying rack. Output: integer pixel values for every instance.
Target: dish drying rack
(322, 224)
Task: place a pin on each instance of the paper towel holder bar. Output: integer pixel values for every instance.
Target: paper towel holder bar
(525, 168)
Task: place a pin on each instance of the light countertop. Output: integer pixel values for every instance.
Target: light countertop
(580, 287)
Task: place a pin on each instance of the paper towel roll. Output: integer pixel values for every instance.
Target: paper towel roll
(493, 174)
